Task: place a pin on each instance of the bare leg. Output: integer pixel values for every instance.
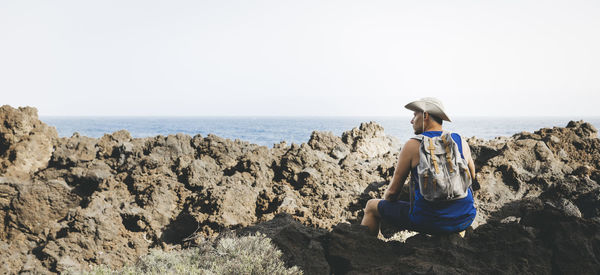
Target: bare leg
(371, 217)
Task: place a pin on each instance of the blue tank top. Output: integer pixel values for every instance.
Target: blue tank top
(447, 216)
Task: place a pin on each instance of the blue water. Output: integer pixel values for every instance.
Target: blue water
(271, 130)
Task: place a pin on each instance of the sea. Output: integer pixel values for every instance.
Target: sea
(268, 131)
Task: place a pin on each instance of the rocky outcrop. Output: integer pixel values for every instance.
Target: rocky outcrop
(66, 203)
(537, 164)
(26, 143)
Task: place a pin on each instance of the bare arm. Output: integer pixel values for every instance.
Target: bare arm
(467, 154)
(405, 162)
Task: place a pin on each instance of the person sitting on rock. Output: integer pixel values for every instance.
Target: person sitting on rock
(424, 214)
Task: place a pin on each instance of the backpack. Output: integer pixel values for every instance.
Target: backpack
(443, 174)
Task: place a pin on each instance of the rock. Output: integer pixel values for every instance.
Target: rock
(200, 172)
(235, 203)
(26, 143)
(328, 143)
(14, 259)
(74, 150)
(525, 166)
(566, 206)
(51, 201)
(369, 140)
(30, 214)
(257, 163)
(588, 203)
(95, 233)
(352, 250)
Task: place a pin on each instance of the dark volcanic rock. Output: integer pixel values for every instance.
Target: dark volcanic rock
(67, 203)
(545, 241)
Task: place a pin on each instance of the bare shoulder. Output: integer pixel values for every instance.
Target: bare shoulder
(465, 144)
(410, 152)
(466, 148)
(411, 145)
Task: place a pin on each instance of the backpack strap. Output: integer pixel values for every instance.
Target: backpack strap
(418, 137)
(460, 146)
(447, 140)
(431, 149)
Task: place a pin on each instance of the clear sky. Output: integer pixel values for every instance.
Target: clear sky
(273, 58)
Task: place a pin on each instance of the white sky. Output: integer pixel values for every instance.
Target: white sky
(359, 58)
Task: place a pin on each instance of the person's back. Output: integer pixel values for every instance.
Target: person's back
(440, 216)
(422, 215)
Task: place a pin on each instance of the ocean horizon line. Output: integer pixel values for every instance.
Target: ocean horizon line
(272, 130)
(575, 117)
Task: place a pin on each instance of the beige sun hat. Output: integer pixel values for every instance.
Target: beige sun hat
(430, 105)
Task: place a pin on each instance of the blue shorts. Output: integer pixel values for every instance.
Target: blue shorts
(397, 213)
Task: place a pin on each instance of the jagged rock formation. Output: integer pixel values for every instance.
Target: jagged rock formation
(539, 164)
(25, 142)
(66, 203)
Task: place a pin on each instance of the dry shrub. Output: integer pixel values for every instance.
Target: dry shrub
(253, 254)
